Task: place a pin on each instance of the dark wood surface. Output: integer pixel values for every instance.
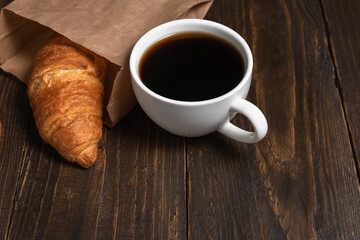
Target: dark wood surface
(300, 182)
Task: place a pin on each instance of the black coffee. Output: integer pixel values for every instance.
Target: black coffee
(191, 67)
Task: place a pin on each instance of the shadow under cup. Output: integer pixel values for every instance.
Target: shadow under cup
(198, 118)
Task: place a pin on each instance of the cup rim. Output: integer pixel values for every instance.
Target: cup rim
(136, 78)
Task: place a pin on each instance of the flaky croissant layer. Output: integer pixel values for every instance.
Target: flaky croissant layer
(66, 93)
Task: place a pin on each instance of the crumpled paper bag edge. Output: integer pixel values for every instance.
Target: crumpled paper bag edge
(112, 115)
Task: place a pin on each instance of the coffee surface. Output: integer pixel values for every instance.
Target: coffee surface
(191, 67)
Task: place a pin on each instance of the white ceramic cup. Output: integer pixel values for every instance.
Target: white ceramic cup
(192, 119)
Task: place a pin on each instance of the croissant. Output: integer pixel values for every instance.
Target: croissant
(65, 89)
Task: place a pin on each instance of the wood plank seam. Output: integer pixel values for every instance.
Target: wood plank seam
(187, 189)
(339, 87)
(16, 193)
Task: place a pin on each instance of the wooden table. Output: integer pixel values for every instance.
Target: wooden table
(300, 182)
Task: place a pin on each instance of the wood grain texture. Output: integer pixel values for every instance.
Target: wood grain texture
(298, 182)
(343, 18)
(136, 189)
(14, 116)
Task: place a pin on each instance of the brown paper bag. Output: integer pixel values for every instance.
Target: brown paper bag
(109, 28)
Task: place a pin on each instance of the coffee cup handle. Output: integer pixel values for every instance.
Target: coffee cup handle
(256, 118)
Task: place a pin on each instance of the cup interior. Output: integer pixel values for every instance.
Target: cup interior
(189, 25)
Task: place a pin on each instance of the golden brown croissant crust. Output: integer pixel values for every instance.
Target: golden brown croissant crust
(66, 93)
